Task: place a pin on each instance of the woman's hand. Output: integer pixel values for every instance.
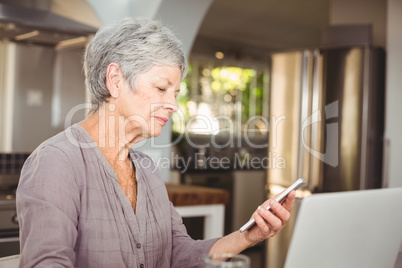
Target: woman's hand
(269, 223)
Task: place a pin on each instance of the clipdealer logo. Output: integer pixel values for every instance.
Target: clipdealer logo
(330, 156)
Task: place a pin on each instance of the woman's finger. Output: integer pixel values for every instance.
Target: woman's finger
(289, 201)
(272, 220)
(262, 224)
(280, 211)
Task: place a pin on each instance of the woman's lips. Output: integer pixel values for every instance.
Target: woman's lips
(162, 120)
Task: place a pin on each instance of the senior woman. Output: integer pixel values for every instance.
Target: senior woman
(86, 199)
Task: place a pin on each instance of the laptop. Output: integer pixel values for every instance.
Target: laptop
(347, 229)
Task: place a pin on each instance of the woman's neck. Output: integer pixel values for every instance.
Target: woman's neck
(112, 134)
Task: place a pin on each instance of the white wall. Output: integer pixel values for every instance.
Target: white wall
(393, 123)
(111, 11)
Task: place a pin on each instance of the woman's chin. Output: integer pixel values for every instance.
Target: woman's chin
(155, 133)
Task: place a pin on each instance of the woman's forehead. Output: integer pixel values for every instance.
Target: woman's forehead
(165, 74)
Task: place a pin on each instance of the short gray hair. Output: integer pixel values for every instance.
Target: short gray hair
(136, 45)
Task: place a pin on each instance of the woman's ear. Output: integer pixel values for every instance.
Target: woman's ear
(113, 79)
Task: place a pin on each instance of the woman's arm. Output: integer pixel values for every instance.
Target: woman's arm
(47, 207)
(187, 252)
(267, 225)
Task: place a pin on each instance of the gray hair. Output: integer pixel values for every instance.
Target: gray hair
(136, 45)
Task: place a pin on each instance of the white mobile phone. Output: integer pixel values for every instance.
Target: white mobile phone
(296, 185)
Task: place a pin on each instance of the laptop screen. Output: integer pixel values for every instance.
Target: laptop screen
(348, 229)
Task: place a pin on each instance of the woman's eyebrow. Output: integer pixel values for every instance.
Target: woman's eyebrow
(163, 80)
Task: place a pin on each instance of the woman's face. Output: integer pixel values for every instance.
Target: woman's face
(149, 107)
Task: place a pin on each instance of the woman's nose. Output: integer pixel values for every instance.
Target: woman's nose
(171, 105)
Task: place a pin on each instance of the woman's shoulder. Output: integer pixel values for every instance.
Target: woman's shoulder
(62, 157)
(66, 145)
(72, 139)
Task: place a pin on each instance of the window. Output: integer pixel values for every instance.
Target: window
(223, 100)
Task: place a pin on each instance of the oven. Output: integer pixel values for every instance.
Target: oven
(9, 229)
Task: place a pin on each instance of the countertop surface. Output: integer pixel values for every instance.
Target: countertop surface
(190, 195)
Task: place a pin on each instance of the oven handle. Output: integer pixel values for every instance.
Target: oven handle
(9, 239)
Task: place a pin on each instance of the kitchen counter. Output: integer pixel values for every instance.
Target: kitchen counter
(197, 201)
(190, 195)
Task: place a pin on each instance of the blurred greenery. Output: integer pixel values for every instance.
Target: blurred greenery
(226, 79)
(223, 88)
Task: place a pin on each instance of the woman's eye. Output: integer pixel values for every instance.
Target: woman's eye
(161, 89)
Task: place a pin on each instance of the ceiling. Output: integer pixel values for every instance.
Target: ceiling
(249, 29)
(246, 29)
